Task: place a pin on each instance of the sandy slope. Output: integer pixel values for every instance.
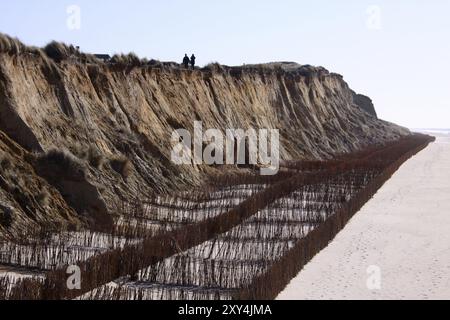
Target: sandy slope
(117, 110)
(404, 231)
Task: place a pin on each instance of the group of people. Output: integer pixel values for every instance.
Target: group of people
(187, 61)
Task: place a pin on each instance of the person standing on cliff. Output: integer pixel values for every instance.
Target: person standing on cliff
(193, 61)
(186, 61)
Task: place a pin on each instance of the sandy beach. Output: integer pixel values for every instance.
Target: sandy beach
(397, 246)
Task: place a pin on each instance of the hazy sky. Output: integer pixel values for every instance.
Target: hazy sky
(395, 51)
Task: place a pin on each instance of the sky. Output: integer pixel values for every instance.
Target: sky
(395, 51)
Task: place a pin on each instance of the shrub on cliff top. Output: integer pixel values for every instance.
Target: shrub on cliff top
(128, 60)
(214, 67)
(15, 46)
(155, 63)
(59, 51)
(10, 45)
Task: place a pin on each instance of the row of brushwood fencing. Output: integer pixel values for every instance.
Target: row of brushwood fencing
(244, 238)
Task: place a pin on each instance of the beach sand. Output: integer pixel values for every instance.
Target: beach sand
(397, 246)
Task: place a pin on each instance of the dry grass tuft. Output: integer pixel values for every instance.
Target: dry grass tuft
(80, 151)
(214, 67)
(94, 157)
(14, 46)
(91, 155)
(11, 45)
(128, 60)
(69, 164)
(121, 165)
(6, 217)
(5, 163)
(43, 198)
(59, 51)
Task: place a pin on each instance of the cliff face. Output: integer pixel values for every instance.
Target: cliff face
(128, 113)
(365, 103)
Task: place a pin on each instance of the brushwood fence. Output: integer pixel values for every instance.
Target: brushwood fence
(230, 261)
(245, 240)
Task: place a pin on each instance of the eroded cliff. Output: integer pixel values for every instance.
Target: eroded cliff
(116, 120)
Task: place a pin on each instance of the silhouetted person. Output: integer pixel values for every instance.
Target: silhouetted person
(193, 62)
(186, 61)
